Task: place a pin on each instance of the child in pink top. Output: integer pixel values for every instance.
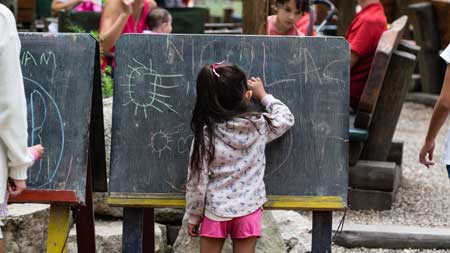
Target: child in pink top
(225, 187)
(288, 13)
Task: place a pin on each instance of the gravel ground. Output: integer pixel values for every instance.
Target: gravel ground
(424, 195)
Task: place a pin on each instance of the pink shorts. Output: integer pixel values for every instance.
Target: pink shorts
(237, 228)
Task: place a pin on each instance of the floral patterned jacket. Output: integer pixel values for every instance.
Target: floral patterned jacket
(232, 185)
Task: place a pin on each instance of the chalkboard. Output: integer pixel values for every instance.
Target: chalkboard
(154, 93)
(60, 80)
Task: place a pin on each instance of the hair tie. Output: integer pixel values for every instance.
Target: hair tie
(214, 68)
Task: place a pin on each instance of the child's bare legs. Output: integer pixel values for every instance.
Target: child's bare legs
(2, 249)
(210, 245)
(246, 245)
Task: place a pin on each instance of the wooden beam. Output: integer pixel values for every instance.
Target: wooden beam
(389, 105)
(374, 200)
(442, 9)
(426, 35)
(255, 14)
(46, 197)
(133, 225)
(274, 202)
(321, 232)
(346, 13)
(373, 175)
(58, 228)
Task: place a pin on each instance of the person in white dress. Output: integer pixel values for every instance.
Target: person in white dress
(440, 115)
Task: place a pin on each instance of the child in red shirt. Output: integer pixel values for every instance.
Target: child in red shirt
(363, 35)
(288, 13)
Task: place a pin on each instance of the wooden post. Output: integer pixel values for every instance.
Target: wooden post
(149, 231)
(255, 16)
(427, 37)
(321, 233)
(388, 108)
(442, 9)
(85, 217)
(133, 224)
(58, 228)
(346, 13)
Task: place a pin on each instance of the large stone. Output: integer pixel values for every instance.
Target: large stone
(269, 242)
(173, 216)
(295, 230)
(109, 237)
(25, 228)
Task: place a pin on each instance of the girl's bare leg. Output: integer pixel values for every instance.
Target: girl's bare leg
(211, 245)
(2, 249)
(247, 245)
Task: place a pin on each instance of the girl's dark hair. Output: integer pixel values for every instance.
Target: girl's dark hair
(302, 5)
(219, 98)
(156, 17)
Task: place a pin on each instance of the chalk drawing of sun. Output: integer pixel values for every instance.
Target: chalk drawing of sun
(146, 89)
(160, 141)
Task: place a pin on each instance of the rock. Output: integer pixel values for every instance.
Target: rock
(109, 237)
(173, 216)
(269, 242)
(25, 228)
(295, 230)
(101, 206)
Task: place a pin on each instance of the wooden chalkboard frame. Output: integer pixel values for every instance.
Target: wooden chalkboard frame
(137, 199)
(138, 219)
(62, 200)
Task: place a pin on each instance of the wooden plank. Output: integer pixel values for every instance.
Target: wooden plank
(422, 98)
(374, 200)
(255, 14)
(388, 238)
(321, 232)
(396, 153)
(373, 175)
(58, 228)
(345, 15)
(148, 243)
(133, 224)
(442, 10)
(85, 217)
(46, 197)
(386, 46)
(355, 150)
(426, 35)
(388, 108)
(274, 202)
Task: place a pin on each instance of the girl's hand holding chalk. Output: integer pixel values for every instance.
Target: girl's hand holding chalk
(257, 87)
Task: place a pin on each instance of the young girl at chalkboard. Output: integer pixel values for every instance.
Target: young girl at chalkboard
(14, 156)
(225, 188)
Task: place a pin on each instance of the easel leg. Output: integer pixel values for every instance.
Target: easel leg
(149, 231)
(58, 228)
(85, 217)
(321, 233)
(133, 225)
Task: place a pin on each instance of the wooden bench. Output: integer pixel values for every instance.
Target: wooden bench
(427, 36)
(223, 28)
(374, 181)
(26, 10)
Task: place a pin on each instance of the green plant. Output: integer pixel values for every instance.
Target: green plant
(107, 82)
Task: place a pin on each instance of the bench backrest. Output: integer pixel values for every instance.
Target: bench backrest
(386, 46)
